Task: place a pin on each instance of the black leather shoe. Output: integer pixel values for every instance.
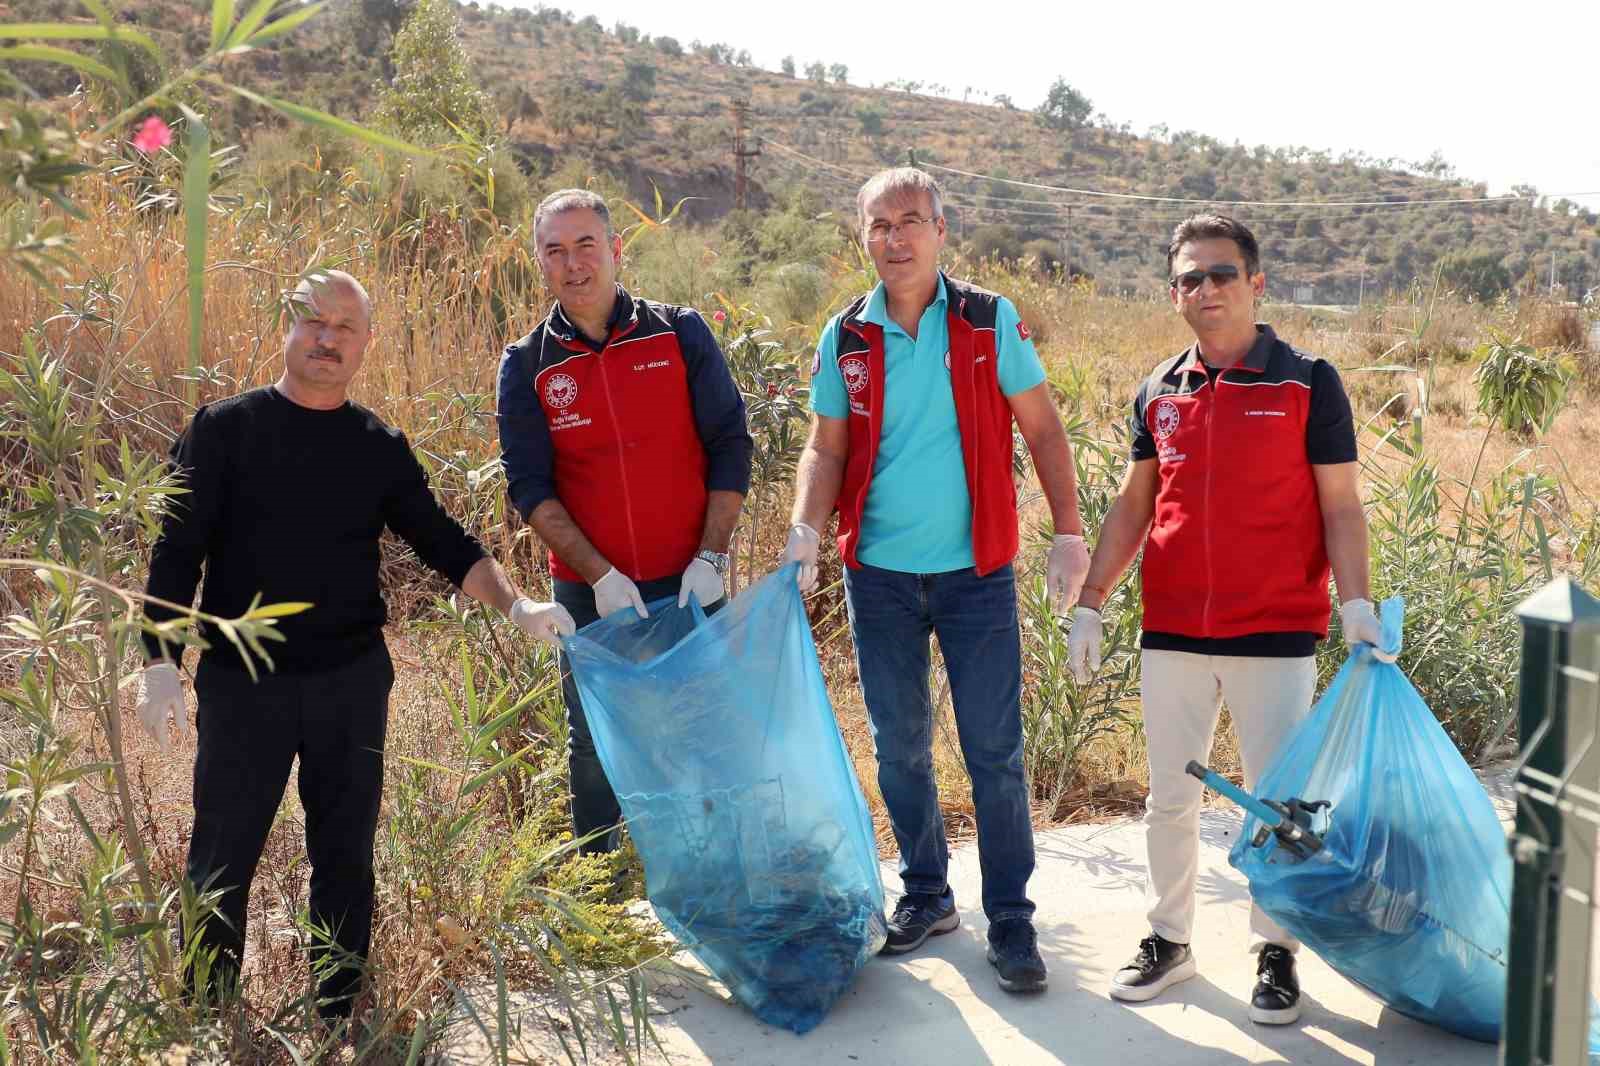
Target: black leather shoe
(1276, 999)
(1158, 965)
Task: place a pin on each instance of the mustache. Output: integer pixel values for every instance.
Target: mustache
(325, 353)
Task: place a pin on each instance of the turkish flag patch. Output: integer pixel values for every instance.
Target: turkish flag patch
(1022, 330)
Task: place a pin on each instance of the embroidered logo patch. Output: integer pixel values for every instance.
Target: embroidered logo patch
(1166, 419)
(1022, 330)
(560, 390)
(855, 374)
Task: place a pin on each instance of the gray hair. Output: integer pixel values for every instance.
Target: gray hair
(898, 180)
(563, 200)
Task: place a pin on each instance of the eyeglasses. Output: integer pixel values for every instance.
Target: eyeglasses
(879, 232)
(1189, 281)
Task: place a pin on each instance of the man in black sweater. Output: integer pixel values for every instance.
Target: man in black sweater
(289, 488)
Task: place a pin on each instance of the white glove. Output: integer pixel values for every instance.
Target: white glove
(1083, 644)
(702, 579)
(615, 592)
(543, 621)
(1361, 626)
(161, 705)
(1065, 568)
(802, 548)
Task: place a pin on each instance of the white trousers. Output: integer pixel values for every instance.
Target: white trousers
(1183, 693)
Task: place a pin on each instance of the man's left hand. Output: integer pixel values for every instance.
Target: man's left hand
(1065, 569)
(1361, 626)
(543, 621)
(702, 579)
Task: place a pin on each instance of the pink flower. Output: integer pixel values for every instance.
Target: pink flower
(719, 316)
(153, 135)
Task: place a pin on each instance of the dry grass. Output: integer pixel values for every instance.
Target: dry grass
(447, 305)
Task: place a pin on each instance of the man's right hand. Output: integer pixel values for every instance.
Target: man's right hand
(616, 592)
(1083, 644)
(802, 548)
(161, 703)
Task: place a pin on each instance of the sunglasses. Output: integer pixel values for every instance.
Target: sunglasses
(1189, 281)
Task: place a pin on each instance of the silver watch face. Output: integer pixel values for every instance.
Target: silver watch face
(718, 561)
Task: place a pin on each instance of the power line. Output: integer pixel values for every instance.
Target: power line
(1223, 203)
(1042, 212)
(1150, 226)
(1336, 209)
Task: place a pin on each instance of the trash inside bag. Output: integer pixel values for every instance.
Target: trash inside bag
(1409, 894)
(718, 738)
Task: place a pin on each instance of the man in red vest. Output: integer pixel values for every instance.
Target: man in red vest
(624, 444)
(914, 389)
(1242, 491)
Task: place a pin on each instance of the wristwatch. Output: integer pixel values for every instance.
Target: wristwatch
(718, 561)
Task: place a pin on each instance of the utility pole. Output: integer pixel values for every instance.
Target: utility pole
(741, 117)
(1066, 248)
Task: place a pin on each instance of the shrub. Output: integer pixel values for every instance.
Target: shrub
(1060, 718)
(433, 88)
(1519, 387)
(1462, 573)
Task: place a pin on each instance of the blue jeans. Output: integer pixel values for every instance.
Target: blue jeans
(892, 615)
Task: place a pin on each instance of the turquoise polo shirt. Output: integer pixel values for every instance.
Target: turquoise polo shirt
(918, 515)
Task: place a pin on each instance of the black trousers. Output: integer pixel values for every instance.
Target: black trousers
(249, 735)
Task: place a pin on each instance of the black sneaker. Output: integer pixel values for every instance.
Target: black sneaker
(1276, 999)
(1159, 964)
(917, 917)
(1014, 953)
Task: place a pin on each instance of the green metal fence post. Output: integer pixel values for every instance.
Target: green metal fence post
(1558, 801)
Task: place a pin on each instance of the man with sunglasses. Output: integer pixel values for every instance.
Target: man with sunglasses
(915, 387)
(1243, 493)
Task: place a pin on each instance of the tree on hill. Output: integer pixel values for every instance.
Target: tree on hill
(516, 105)
(433, 88)
(787, 66)
(638, 79)
(1475, 272)
(1064, 107)
(872, 120)
(995, 241)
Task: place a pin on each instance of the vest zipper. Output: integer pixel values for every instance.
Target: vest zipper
(1205, 500)
(622, 461)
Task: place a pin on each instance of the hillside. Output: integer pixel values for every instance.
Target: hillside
(571, 92)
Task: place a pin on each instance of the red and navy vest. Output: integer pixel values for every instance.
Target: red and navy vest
(982, 412)
(630, 467)
(1236, 544)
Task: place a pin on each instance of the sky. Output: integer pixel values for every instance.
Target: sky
(1509, 94)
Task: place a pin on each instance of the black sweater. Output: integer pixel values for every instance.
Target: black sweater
(289, 502)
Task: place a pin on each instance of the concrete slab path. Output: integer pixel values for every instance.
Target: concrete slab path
(942, 1007)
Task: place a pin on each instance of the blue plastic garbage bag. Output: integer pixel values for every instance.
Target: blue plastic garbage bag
(719, 740)
(1410, 895)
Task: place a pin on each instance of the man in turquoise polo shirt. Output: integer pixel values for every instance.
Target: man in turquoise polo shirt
(914, 390)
